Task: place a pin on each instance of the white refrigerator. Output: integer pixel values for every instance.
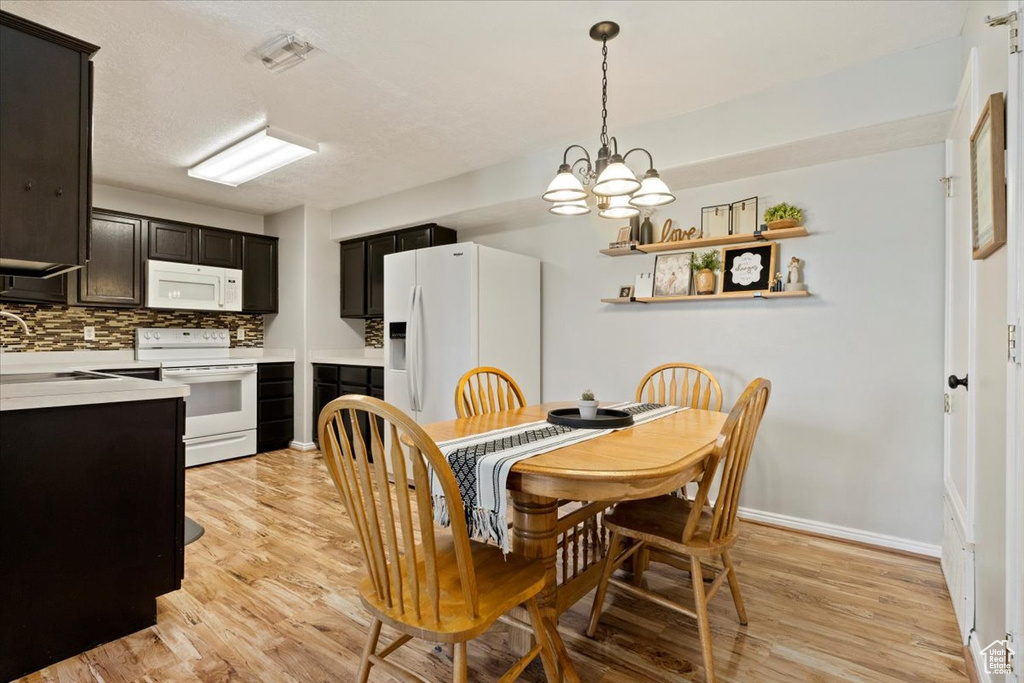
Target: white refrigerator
(452, 308)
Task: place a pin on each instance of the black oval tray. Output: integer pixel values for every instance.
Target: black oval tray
(607, 418)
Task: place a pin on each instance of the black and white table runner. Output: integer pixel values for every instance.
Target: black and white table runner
(481, 464)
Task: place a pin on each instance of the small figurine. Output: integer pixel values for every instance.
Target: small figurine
(795, 281)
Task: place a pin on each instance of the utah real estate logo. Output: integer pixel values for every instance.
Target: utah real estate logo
(998, 658)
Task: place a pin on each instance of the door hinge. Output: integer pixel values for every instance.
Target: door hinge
(947, 182)
(946, 408)
(1009, 20)
(1012, 356)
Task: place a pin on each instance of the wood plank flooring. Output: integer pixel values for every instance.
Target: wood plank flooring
(269, 595)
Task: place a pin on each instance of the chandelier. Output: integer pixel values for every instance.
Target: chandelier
(617, 191)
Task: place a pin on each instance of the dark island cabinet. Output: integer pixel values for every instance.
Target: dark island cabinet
(45, 164)
(51, 290)
(259, 274)
(362, 265)
(220, 248)
(173, 242)
(114, 274)
(275, 412)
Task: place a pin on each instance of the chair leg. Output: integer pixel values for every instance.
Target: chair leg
(461, 668)
(602, 587)
(703, 624)
(641, 561)
(548, 655)
(734, 587)
(568, 671)
(369, 649)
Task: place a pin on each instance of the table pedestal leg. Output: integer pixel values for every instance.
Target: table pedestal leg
(534, 535)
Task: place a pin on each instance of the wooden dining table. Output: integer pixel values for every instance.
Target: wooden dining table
(558, 497)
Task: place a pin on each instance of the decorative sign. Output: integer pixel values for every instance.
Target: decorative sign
(748, 268)
(988, 188)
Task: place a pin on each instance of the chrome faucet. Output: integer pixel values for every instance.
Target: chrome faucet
(24, 325)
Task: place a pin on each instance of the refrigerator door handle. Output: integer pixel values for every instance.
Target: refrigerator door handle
(417, 347)
(411, 342)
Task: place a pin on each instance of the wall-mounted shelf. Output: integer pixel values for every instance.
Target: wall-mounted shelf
(705, 297)
(721, 240)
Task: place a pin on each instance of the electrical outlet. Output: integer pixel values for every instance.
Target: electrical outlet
(240, 334)
(89, 332)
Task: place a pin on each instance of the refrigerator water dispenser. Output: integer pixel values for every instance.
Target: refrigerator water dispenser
(396, 333)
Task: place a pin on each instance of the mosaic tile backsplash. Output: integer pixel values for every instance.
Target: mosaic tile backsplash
(374, 333)
(59, 328)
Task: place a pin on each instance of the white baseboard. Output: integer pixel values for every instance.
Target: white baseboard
(979, 666)
(845, 533)
(302, 445)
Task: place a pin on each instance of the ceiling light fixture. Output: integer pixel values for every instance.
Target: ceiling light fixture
(262, 152)
(284, 52)
(616, 188)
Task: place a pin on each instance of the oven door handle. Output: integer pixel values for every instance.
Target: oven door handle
(206, 372)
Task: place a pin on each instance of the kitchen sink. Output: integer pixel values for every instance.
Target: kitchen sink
(36, 377)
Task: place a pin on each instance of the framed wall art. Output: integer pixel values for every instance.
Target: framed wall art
(714, 221)
(743, 217)
(672, 274)
(988, 184)
(748, 268)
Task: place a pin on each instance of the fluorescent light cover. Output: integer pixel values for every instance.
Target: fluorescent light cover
(263, 152)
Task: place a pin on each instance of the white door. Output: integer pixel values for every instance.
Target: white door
(446, 327)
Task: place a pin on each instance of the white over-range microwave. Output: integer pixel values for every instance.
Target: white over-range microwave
(192, 287)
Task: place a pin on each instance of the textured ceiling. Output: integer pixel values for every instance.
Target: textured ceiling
(400, 94)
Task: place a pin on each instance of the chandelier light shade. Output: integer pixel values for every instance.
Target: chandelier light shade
(653, 192)
(619, 207)
(615, 186)
(566, 187)
(576, 208)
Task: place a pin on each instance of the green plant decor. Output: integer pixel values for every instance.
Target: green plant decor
(783, 211)
(708, 260)
(588, 395)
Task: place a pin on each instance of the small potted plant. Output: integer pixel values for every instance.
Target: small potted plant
(783, 216)
(704, 266)
(587, 405)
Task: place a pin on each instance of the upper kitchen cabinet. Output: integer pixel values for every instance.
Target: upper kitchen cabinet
(51, 290)
(113, 276)
(220, 248)
(173, 242)
(376, 249)
(45, 160)
(431, 235)
(353, 279)
(259, 274)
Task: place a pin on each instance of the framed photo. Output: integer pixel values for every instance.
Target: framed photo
(743, 217)
(672, 274)
(623, 235)
(988, 189)
(749, 267)
(714, 221)
(625, 291)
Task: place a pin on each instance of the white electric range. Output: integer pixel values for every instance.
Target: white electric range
(220, 411)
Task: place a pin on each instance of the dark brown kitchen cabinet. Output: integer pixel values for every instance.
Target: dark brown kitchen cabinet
(353, 279)
(52, 290)
(45, 164)
(173, 242)
(220, 248)
(376, 249)
(114, 274)
(424, 236)
(259, 274)
(275, 415)
(331, 381)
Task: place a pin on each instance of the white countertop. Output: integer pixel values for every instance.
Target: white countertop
(369, 357)
(85, 392)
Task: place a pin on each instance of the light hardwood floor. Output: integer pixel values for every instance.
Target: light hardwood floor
(269, 595)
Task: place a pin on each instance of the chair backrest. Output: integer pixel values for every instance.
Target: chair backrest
(690, 386)
(487, 390)
(403, 574)
(732, 455)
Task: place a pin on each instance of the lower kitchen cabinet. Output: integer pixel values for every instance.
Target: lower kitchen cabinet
(275, 408)
(332, 381)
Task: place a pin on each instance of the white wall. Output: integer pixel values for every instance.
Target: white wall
(853, 431)
(158, 206)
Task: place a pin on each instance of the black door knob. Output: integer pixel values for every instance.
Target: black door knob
(955, 381)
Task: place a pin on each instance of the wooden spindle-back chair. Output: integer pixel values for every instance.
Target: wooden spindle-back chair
(681, 384)
(677, 528)
(487, 390)
(441, 587)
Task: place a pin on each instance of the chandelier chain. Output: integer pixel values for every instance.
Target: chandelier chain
(604, 91)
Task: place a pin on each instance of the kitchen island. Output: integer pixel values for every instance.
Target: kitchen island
(91, 510)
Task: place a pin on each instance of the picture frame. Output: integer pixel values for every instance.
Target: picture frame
(748, 267)
(625, 291)
(988, 187)
(623, 235)
(743, 217)
(673, 274)
(714, 220)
